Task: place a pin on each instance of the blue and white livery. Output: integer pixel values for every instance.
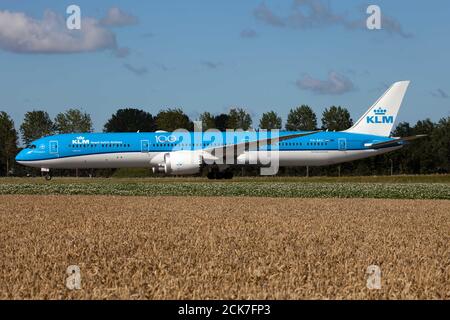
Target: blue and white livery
(187, 153)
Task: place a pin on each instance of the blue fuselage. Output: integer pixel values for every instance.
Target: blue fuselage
(60, 151)
(77, 144)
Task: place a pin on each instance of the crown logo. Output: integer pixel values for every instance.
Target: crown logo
(380, 111)
(80, 138)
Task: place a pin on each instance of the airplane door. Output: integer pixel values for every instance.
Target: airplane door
(53, 147)
(144, 145)
(342, 144)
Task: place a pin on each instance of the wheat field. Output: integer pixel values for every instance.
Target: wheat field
(223, 247)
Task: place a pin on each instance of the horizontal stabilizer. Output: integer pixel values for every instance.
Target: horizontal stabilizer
(393, 143)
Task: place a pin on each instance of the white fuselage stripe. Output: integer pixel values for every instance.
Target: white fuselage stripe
(152, 159)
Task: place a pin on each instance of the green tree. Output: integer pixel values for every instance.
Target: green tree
(73, 120)
(130, 120)
(422, 155)
(36, 124)
(270, 120)
(8, 143)
(238, 118)
(336, 119)
(221, 121)
(440, 139)
(402, 158)
(301, 118)
(208, 121)
(172, 119)
(403, 129)
(426, 155)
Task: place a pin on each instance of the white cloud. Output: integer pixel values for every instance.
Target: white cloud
(23, 34)
(118, 18)
(139, 71)
(122, 52)
(249, 33)
(266, 15)
(335, 84)
(308, 14)
(439, 93)
(211, 64)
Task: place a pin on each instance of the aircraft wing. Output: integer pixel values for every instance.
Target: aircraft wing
(393, 143)
(239, 148)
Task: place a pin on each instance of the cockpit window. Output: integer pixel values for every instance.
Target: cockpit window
(31, 146)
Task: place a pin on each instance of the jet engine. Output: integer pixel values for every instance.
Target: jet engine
(180, 163)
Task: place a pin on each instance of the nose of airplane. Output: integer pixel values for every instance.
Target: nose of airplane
(21, 156)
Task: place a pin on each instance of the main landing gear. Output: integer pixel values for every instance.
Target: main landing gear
(46, 173)
(220, 175)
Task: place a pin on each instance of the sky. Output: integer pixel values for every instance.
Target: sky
(213, 55)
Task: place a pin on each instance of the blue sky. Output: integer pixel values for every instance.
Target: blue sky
(211, 55)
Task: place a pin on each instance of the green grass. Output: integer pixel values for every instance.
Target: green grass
(398, 187)
(122, 177)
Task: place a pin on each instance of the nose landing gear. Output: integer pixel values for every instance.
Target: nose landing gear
(46, 173)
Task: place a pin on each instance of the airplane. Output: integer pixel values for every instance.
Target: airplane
(188, 153)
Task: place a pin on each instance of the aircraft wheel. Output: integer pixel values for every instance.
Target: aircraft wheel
(220, 175)
(48, 177)
(211, 175)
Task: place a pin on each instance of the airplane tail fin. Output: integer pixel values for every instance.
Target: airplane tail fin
(380, 117)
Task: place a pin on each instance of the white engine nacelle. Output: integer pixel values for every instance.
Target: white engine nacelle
(180, 163)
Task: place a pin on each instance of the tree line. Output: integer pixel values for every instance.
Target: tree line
(428, 155)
